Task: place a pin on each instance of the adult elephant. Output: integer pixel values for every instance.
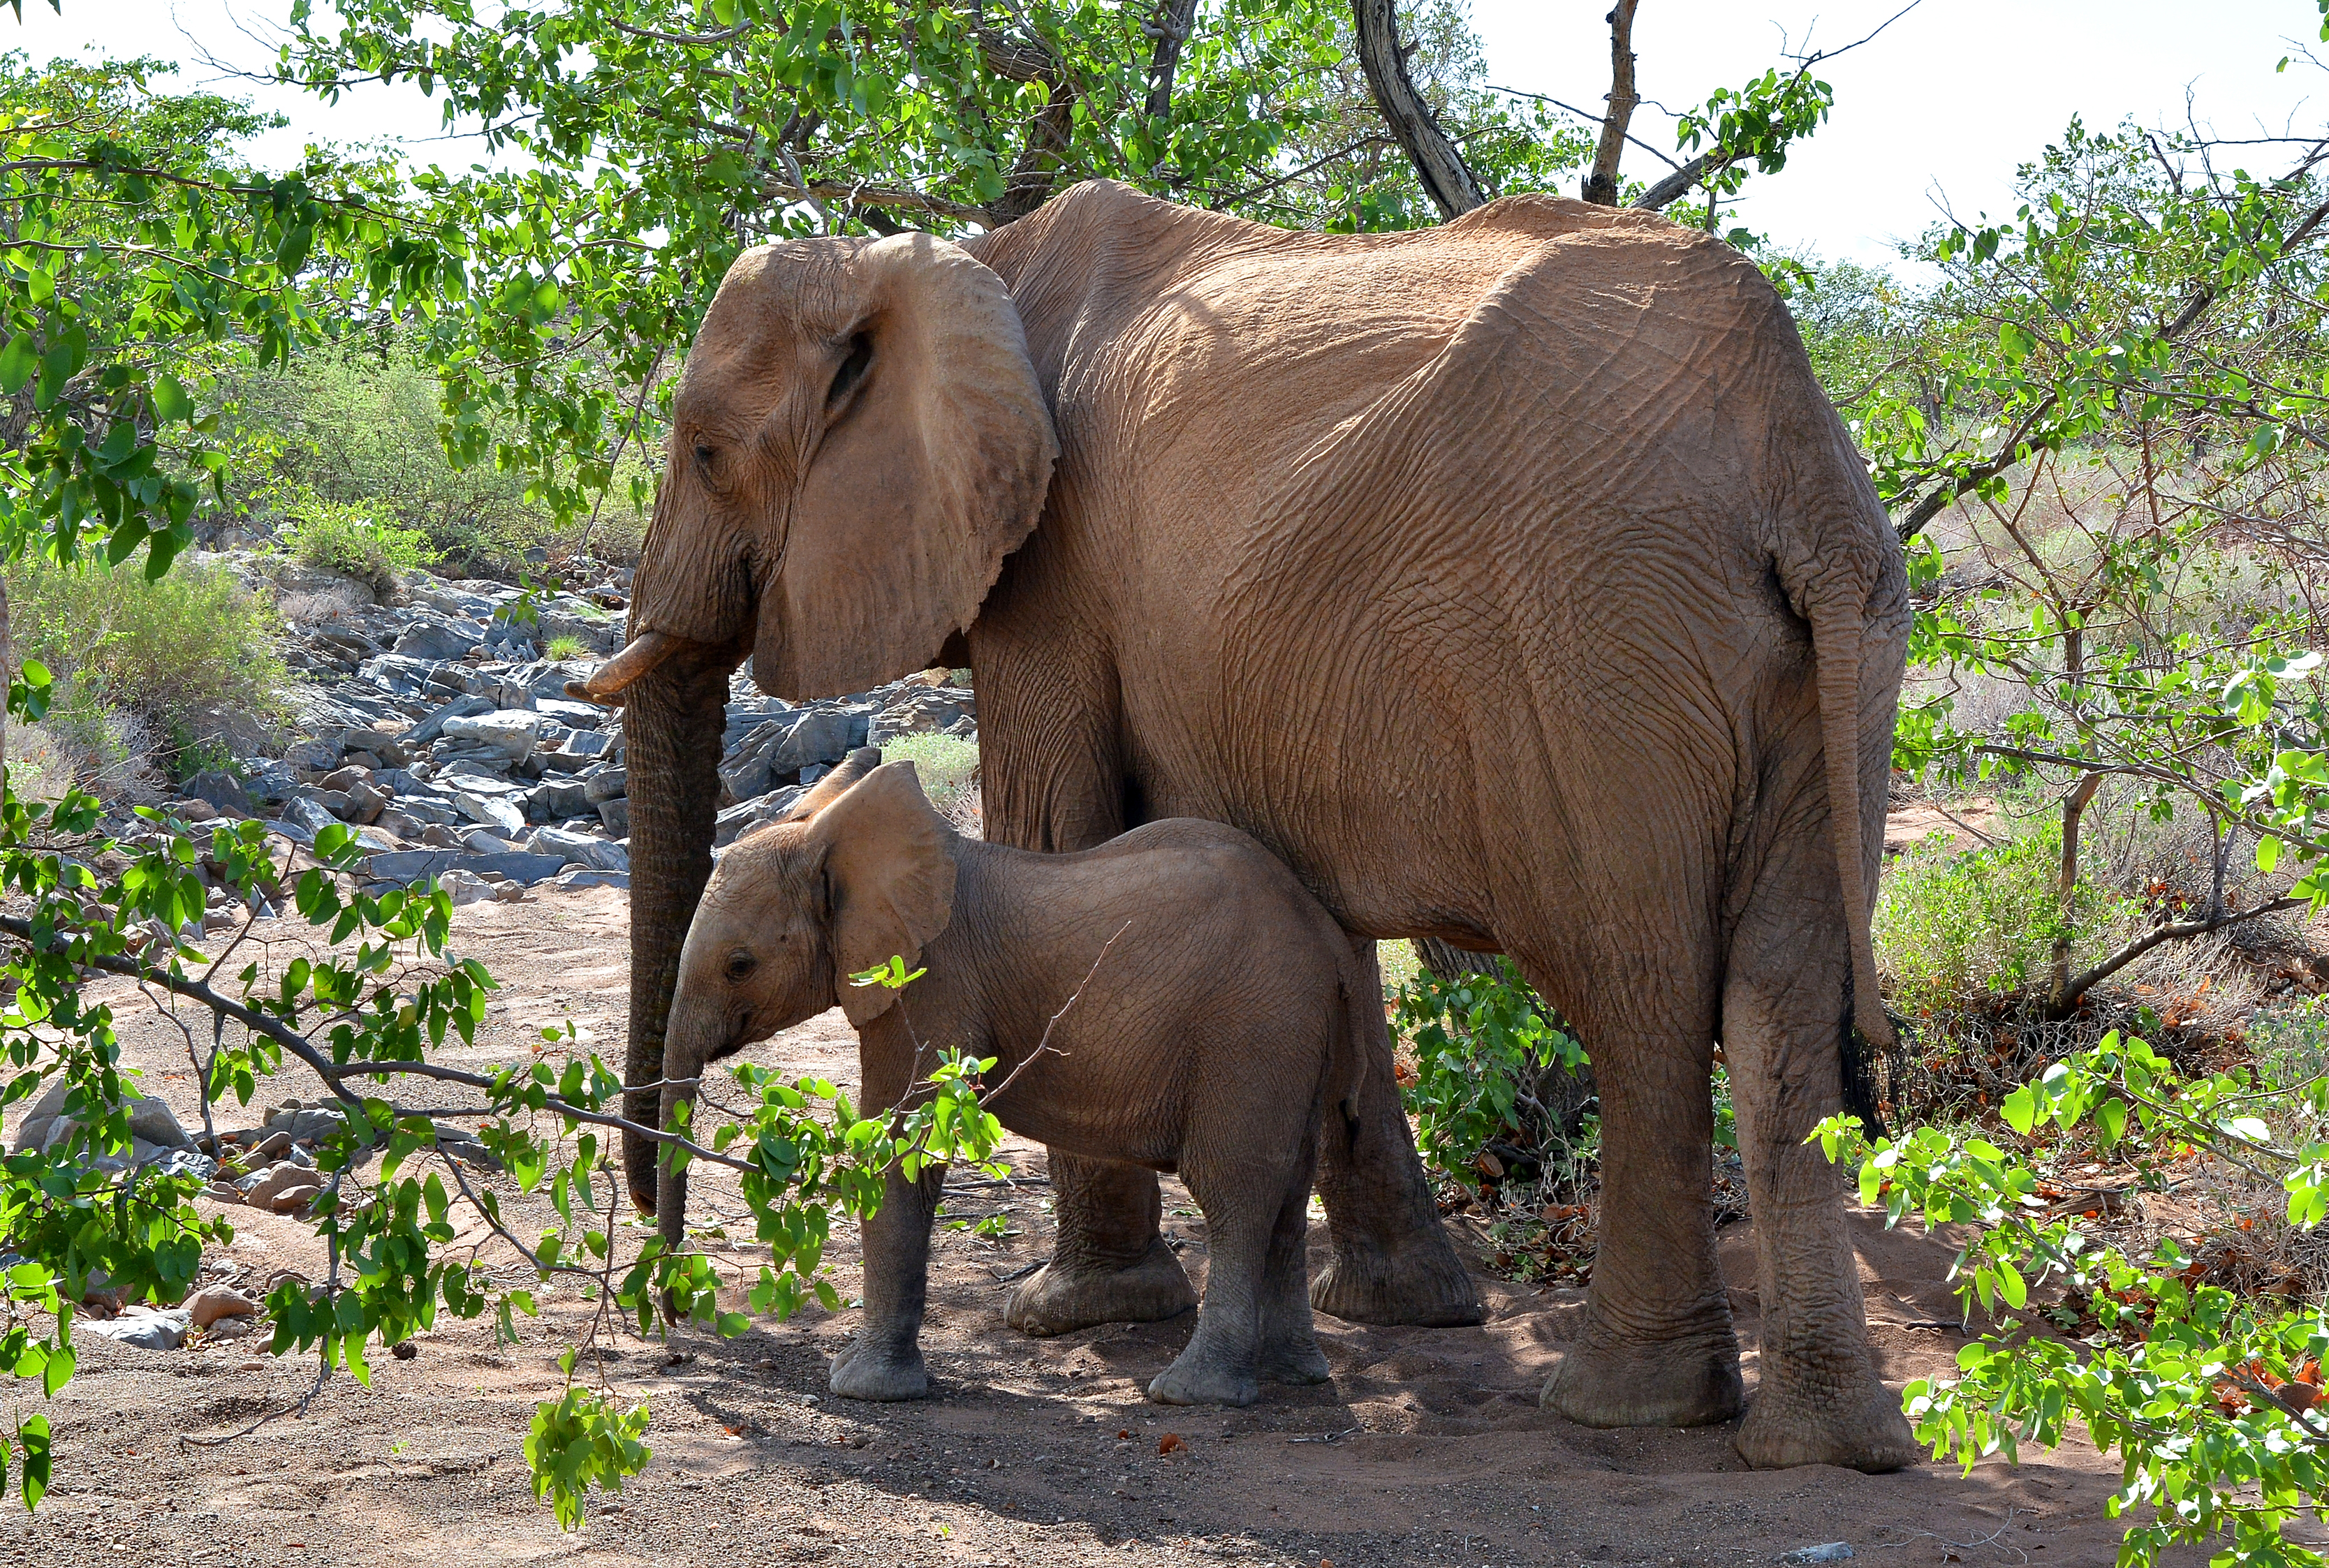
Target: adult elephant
(1513, 580)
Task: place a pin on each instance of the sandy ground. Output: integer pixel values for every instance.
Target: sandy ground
(1426, 1448)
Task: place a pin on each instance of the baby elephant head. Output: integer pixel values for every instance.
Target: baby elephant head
(857, 872)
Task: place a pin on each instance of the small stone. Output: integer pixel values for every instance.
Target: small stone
(207, 1307)
(1825, 1552)
(146, 1328)
(196, 811)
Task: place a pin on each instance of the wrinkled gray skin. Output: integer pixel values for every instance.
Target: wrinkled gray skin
(1512, 581)
(1216, 1014)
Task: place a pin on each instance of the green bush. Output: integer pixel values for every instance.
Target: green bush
(1954, 928)
(351, 540)
(1484, 1055)
(946, 763)
(173, 655)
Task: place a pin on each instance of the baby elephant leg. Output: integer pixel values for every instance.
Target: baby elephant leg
(884, 1361)
(1244, 1202)
(1290, 1348)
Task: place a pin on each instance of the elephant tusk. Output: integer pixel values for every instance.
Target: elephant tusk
(607, 682)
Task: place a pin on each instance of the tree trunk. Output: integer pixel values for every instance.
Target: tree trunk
(1601, 184)
(1437, 165)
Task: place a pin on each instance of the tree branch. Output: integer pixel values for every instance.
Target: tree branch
(1440, 168)
(1601, 184)
(1676, 185)
(2173, 930)
(1175, 19)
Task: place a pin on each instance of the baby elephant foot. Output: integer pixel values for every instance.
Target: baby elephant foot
(880, 1369)
(1199, 1379)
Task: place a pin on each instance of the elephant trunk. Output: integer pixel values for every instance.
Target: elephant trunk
(672, 717)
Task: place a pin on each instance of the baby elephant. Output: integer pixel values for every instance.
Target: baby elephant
(1208, 1040)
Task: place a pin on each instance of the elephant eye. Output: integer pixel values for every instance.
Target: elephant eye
(851, 372)
(740, 964)
(704, 454)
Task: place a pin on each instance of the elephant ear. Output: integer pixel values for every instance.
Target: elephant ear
(891, 878)
(933, 471)
(833, 785)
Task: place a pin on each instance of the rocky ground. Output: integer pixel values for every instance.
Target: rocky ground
(433, 725)
(1426, 1448)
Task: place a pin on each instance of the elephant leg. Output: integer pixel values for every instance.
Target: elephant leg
(1290, 1341)
(1784, 1020)
(884, 1361)
(1243, 1207)
(1656, 1348)
(1392, 1262)
(1109, 1264)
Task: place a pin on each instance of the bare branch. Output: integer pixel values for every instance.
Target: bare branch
(1445, 176)
(1601, 184)
(1175, 19)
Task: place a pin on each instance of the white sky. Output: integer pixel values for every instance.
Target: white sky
(1945, 103)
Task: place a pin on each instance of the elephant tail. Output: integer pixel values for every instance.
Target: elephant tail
(1346, 1070)
(1837, 630)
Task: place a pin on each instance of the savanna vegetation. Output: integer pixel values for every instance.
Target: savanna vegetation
(2098, 430)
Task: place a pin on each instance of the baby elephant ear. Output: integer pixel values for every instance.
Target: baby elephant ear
(833, 785)
(891, 877)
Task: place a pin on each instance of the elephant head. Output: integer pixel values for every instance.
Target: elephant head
(857, 872)
(857, 441)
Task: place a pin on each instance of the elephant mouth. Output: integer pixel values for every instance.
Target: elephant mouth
(608, 683)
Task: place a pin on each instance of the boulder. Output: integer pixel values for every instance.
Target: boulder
(519, 866)
(560, 798)
(617, 815)
(222, 789)
(921, 710)
(268, 782)
(144, 1327)
(580, 876)
(436, 638)
(507, 732)
(607, 785)
(313, 756)
(739, 819)
(781, 747)
(378, 744)
(490, 810)
(433, 726)
(310, 817)
(46, 1123)
(365, 803)
(210, 1306)
(598, 854)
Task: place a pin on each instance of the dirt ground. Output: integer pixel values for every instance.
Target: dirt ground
(1426, 1448)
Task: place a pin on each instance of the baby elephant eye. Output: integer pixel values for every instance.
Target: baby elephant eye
(740, 964)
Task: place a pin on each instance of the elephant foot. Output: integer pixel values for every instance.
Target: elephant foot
(1057, 1300)
(1199, 1378)
(1863, 1430)
(1297, 1361)
(1423, 1283)
(880, 1369)
(1676, 1383)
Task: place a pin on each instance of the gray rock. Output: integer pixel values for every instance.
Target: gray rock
(1825, 1552)
(313, 756)
(920, 711)
(184, 1162)
(306, 1122)
(437, 637)
(402, 867)
(218, 787)
(143, 1328)
(781, 747)
(516, 865)
(598, 854)
(512, 733)
(380, 744)
(46, 1124)
(310, 817)
(607, 785)
(560, 798)
(268, 782)
(617, 815)
(580, 876)
(571, 714)
(491, 811)
(431, 727)
(739, 819)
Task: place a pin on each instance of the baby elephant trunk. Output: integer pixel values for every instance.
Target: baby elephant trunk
(682, 1061)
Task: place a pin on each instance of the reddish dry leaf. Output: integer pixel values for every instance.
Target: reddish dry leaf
(1169, 1442)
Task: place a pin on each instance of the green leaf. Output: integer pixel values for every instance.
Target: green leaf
(32, 1435)
(171, 402)
(2020, 1110)
(18, 361)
